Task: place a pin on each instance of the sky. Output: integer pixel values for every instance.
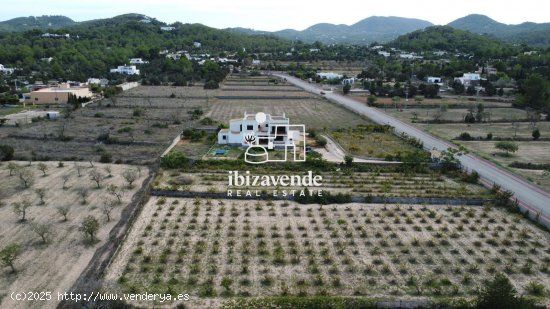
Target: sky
(282, 14)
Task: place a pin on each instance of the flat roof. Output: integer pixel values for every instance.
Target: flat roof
(60, 89)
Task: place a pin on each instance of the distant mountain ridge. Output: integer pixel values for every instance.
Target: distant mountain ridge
(525, 33)
(372, 29)
(36, 22)
(368, 30)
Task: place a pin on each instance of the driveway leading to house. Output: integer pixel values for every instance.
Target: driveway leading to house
(530, 197)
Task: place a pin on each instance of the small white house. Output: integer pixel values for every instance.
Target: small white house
(468, 79)
(435, 80)
(98, 81)
(349, 81)
(197, 44)
(5, 70)
(126, 70)
(274, 129)
(255, 62)
(384, 53)
(167, 28)
(138, 61)
(329, 75)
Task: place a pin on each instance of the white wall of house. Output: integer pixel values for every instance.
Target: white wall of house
(238, 128)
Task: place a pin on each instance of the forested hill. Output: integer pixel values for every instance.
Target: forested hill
(525, 33)
(95, 46)
(368, 30)
(445, 38)
(35, 22)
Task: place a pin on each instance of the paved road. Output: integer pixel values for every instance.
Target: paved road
(530, 197)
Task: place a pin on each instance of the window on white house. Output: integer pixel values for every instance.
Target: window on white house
(224, 137)
(250, 127)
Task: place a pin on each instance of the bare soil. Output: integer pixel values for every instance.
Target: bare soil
(55, 265)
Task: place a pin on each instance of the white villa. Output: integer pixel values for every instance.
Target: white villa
(5, 70)
(329, 75)
(167, 28)
(126, 69)
(138, 61)
(468, 79)
(273, 132)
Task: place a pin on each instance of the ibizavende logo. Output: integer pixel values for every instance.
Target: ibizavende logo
(268, 138)
(295, 182)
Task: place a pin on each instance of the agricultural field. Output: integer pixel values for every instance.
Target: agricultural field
(133, 127)
(361, 141)
(455, 114)
(215, 249)
(53, 249)
(275, 99)
(510, 124)
(379, 184)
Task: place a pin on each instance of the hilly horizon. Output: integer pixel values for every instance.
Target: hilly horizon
(365, 31)
(380, 29)
(525, 33)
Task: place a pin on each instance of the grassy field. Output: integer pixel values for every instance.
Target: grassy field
(455, 114)
(221, 248)
(55, 265)
(529, 150)
(369, 143)
(12, 110)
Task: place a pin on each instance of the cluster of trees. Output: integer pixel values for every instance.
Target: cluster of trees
(450, 39)
(95, 47)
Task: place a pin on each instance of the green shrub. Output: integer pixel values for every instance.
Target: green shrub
(174, 159)
(106, 157)
(6, 152)
(465, 136)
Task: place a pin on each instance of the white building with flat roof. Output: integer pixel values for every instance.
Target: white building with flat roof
(5, 70)
(468, 79)
(329, 75)
(126, 70)
(138, 61)
(274, 129)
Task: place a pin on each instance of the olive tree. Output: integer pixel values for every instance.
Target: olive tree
(64, 211)
(41, 192)
(115, 191)
(506, 146)
(96, 177)
(130, 176)
(43, 168)
(9, 254)
(107, 208)
(20, 209)
(12, 167)
(42, 229)
(83, 193)
(27, 177)
(90, 226)
(65, 178)
(78, 169)
(109, 171)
